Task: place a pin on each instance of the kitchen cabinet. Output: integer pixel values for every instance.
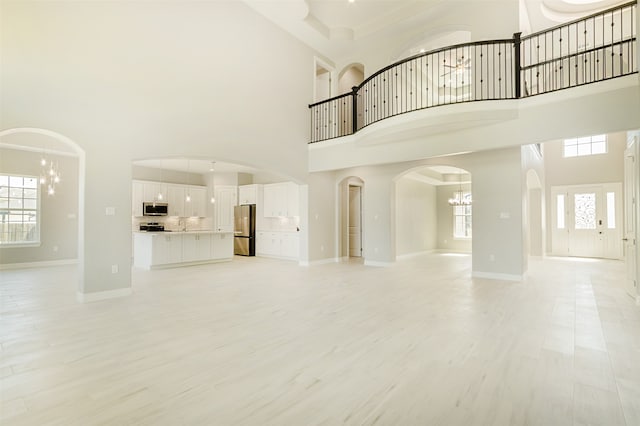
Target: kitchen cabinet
(137, 198)
(196, 247)
(175, 199)
(281, 200)
(226, 200)
(278, 244)
(158, 249)
(248, 194)
(198, 204)
(154, 191)
(222, 246)
(173, 194)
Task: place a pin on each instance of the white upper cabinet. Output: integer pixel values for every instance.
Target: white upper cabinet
(226, 199)
(281, 200)
(175, 199)
(248, 194)
(173, 194)
(154, 191)
(198, 201)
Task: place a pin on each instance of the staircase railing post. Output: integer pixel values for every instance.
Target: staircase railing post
(517, 65)
(354, 109)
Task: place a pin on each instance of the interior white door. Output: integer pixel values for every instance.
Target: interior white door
(355, 221)
(630, 221)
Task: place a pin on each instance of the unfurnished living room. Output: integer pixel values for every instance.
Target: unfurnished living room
(319, 212)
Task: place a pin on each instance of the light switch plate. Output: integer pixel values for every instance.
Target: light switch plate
(110, 211)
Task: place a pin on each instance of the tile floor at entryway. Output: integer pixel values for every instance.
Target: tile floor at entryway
(266, 342)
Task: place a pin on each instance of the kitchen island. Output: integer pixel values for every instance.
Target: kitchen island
(166, 249)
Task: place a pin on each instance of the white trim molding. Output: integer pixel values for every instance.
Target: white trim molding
(497, 276)
(103, 295)
(42, 264)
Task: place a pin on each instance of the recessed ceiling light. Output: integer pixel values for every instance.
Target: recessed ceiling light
(352, 1)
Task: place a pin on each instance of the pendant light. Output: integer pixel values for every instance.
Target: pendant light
(49, 174)
(459, 199)
(160, 196)
(188, 197)
(213, 187)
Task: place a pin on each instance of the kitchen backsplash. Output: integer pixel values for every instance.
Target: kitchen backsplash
(174, 223)
(278, 224)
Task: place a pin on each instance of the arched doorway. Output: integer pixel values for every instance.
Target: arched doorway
(433, 211)
(351, 190)
(350, 76)
(52, 248)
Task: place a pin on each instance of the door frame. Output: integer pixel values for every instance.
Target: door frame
(560, 239)
(349, 186)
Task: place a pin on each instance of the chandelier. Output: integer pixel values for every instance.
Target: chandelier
(49, 175)
(459, 199)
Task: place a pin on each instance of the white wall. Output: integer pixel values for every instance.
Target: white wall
(321, 217)
(124, 80)
(496, 188)
(59, 213)
(416, 216)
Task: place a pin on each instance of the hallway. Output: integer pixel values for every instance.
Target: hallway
(260, 341)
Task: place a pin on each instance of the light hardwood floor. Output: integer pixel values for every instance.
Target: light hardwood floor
(266, 342)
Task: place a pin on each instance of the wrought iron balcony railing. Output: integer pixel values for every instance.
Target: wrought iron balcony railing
(595, 48)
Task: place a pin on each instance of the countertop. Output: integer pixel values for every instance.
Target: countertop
(203, 231)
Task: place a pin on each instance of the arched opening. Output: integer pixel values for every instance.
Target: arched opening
(433, 211)
(351, 232)
(60, 217)
(350, 76)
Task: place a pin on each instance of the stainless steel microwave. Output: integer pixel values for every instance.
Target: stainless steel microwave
(155, 209)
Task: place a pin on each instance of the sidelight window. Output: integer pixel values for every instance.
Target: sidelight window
(19, 209)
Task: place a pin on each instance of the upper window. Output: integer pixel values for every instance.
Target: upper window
(19, 208)
(588, 145)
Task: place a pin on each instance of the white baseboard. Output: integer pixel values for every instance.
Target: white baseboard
(414, 254)
(319, 262)
(103, 295)
(496, 276)
(42, 264)
(376, 263)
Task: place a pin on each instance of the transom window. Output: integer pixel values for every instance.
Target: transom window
(462, 217)
(588, 145)
(19, 209)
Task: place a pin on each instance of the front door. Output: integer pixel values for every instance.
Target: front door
(587, 221)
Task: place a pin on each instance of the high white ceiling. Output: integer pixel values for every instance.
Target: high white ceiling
(333, 26)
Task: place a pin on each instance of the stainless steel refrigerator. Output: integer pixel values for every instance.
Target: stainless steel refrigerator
(244, 241)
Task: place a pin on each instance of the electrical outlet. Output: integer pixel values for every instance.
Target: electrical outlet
(114, 269)
(55, 248)
(492, 258)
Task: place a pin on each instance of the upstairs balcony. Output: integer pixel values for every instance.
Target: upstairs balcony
(592, 49)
